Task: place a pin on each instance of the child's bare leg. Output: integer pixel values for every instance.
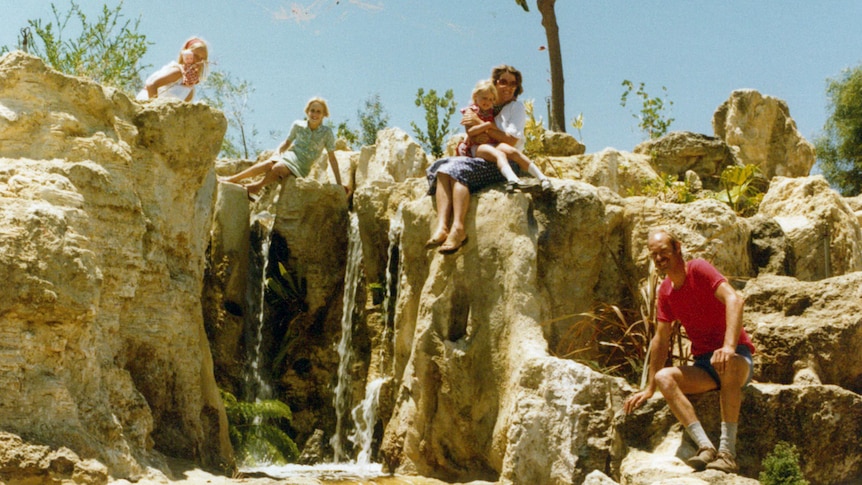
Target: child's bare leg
(278, 171)
(255, 169)
(491, 154)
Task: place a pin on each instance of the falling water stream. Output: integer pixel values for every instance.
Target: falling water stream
(363, 415)
(257, 386)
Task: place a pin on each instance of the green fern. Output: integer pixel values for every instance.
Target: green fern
(254, 431)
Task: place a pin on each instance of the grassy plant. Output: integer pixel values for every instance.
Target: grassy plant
(621, 336)
(255, 430)
(781, 467)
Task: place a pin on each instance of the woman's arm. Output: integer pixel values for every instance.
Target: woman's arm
(510, 125)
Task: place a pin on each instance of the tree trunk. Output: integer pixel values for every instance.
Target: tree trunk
(558, 101)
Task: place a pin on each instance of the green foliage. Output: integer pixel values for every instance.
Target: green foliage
(666, 188)
(839, 149)
(222, 91)
(434, 136)
(578, 124)
(534, 132)
(739, 189)
(372, 118)
(286, 290)
(652, 119)
(255, 433)
(107, 50)
(291, 287)
(781, 467)
(344, 132)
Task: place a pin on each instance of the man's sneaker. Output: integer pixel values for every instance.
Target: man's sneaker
(724, 462)
(702, 458)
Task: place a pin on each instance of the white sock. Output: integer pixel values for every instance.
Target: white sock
(697, 433)
(535, 172)
(509, 173)
(728, 438)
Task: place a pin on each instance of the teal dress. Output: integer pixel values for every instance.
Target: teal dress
(306, 146)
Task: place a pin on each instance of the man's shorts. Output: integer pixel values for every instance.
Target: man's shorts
(703, 361)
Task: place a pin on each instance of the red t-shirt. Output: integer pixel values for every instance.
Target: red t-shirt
(697, 308)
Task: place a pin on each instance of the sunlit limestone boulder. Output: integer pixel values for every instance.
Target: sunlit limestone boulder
(478, 395)
(623, 172)
(28, 463)
(104, 221)
(763, 133)
(807, 332)
(823, 230)
(855, 204)
(394, 158)
(681, 151)
(556, 144)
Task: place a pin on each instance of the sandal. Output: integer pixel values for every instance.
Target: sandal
(436, 241)
(512, 185)
(450, 247)
(546, 185)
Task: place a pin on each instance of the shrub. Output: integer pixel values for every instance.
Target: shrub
(781, 467)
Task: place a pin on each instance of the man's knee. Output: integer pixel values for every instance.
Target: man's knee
(664, 378)
(736, 372)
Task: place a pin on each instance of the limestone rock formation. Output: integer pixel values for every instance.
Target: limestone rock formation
(557, 144)
(117, 242)
(822, 229)
(679, 152)
(104, 220)
(622, 172)
(761, 129)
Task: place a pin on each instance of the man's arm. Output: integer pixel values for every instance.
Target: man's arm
(657, 355)
(733, 304)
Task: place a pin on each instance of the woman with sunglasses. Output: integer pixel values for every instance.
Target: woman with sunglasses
(453, 179)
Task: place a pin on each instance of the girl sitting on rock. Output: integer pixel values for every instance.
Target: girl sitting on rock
(300, 149)
(479, 144)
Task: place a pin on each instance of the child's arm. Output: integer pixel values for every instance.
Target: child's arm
(284, 146)
(333, 163)
(172, 75)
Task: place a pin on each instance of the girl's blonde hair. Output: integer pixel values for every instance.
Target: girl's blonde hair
(484, 86)
(193, 43)
(322, 102)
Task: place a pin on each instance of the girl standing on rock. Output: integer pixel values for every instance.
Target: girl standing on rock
(300, 149)
(177, 80)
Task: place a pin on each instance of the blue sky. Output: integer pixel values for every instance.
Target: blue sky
(348, 50)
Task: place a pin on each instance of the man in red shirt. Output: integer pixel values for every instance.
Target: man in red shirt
(710, 310)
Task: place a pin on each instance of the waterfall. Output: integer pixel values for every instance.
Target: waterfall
(257, 386)
(365, 418)
(365, 413)
(341, 399)
(396, 226)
